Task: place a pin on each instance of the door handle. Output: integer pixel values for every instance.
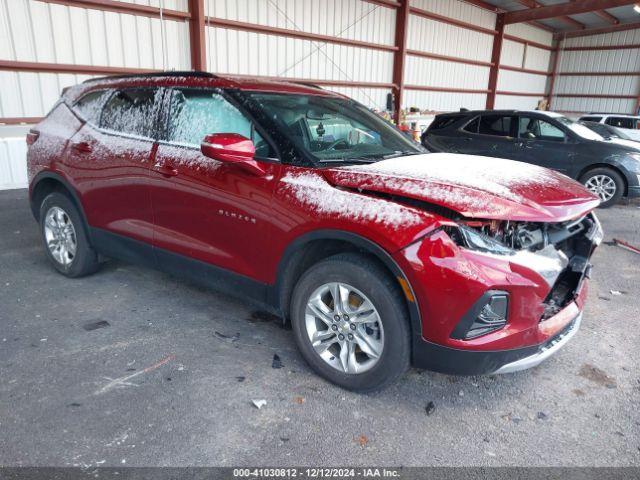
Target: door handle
(165, 170)
(82, 147)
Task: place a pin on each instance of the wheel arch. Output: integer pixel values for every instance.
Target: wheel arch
(46, 182)
(313, 247)
(609, 166)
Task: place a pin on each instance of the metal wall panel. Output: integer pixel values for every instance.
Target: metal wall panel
(443, 39)
(601, 61)
(26, 94)
(33, 31)
(458, 10)
(626, 37)
(516, 102)
(530, 33)
(352, 19)
(240, 52)
(443, 102)
(521, 82)
(181, 5)
(440, 73)
(375, 98)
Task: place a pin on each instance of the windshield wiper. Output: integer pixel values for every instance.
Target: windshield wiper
(346, 159)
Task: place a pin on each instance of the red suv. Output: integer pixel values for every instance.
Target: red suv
(303, 201)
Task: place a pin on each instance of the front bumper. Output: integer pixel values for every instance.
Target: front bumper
(453, 361)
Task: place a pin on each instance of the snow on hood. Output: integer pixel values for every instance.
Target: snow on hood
(474, 186)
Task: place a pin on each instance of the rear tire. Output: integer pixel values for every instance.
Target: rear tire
(65, 238)
(375, 346)
(606, 183)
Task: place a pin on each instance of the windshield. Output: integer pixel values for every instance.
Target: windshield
(334, 129)
(579, 129)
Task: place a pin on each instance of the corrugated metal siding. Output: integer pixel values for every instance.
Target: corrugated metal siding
(181, 5)
(530, 33)
(521, 82)
(352, 19)
(459, 10)
(516, 102)
(443, 102)
(440, 73)
(601, 61)
(233, 51)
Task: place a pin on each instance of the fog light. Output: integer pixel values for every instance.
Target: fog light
(493, 316)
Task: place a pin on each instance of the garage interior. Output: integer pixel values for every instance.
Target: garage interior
(133, 367)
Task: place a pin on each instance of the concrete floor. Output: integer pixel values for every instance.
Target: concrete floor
(170, 380)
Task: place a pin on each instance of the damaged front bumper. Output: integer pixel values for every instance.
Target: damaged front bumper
(545, 302)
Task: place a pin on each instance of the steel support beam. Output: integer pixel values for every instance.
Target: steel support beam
(554, 73)
(597, 31)
(402, 24)
(42, 67)
(196, 35)
(562, 9)
(536, 4)
(123, 7)
(495, 60)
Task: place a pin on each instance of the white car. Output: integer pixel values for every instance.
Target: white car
(629, 124)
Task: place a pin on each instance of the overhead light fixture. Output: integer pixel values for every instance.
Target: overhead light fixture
(636, 7)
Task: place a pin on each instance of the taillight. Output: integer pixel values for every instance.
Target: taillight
(32, 136)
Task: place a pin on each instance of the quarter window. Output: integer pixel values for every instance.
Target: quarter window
(536, 129)
(472, 126)
(132, 111)
(90, 105)
(196, 114)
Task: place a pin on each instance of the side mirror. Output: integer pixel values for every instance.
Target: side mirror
(232, 148)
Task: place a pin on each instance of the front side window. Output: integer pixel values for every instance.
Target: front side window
(90, 105)
(195, 114)
(536, 129)
(495, 125)
(330, 129)
(621, 122)
(132, 111)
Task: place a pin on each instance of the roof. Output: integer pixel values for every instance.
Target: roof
(198, 79)
(504, 112)
(599, 114)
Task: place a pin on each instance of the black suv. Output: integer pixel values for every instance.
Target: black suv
(548, 139)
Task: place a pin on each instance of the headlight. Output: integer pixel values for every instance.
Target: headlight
(475, 240)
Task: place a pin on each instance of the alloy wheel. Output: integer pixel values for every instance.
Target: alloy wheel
(344, 328)
(60, 236)
(603, 186)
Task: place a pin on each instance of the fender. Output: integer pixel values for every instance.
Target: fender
(48, 174)
(279, 294)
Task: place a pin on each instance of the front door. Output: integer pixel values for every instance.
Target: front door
(204, 209)
(543, 143)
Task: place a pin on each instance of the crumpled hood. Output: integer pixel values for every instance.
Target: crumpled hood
(474, 186)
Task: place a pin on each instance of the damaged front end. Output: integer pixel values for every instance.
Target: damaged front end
(558, 252)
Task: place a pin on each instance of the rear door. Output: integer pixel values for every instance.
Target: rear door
(543, 143)
(491, 135)
(630, 125)
(110, 157)
(205, 209)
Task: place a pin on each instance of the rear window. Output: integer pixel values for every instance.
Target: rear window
(622, 122)
(443, 122)
(495, 125)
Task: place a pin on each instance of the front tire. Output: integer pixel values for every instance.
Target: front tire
(607, 184)
(64, 237)
(350, 323)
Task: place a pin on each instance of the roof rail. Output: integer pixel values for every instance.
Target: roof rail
(173, 73)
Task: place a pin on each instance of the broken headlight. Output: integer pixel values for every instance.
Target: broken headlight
(474, 240)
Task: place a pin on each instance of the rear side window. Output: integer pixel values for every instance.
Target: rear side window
(621, 122)
(495, 125)
(132, 111)
(590, 119)
(197, 113)
(443, 122)
(90, 106)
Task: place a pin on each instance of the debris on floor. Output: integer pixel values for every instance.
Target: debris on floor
(542, 416)
(298, 400)
(363, 440)
(277, 363)
(125, 381)
(259, 403)
(596, 375)
(96, 325)
(227, 338)
(240, 378)
(430, 408)
(626, 245)
(616, 292)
